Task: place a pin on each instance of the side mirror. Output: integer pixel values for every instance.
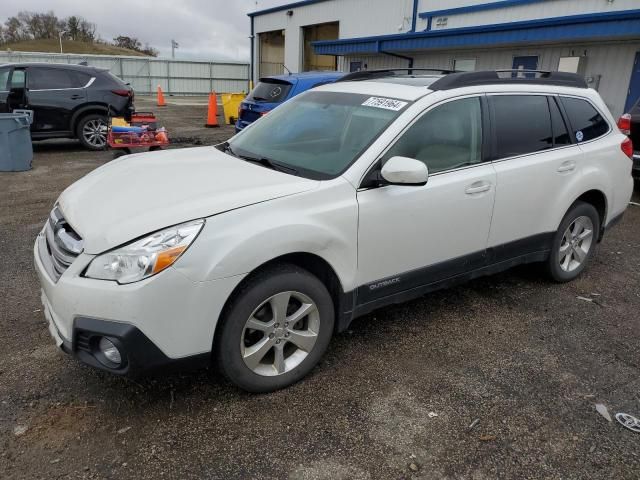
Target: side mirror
(405, 171)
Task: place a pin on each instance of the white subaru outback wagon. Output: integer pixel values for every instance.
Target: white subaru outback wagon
(374, 190)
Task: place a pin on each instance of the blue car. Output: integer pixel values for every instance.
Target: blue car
(272, 91)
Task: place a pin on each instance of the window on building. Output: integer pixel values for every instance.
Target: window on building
(464, 64)
(447, 137)
(522, 124)
(585, 120)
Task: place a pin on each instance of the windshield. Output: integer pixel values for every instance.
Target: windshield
(318, 134)
(272, 91)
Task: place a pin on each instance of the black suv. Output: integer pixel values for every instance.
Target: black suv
(68, 101)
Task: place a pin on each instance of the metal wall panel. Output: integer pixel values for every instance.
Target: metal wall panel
(608, 65)
(533, 11)
(356, 18)
(175, 77)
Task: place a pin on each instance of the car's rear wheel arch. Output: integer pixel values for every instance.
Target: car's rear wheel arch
(598, 200)
(82, 112)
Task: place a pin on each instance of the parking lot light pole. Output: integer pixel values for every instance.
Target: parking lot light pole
(60, 38)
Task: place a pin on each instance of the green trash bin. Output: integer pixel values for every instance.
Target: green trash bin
(16, 150)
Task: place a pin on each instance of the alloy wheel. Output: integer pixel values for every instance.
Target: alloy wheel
(576, 244)
(94, 133)
(280, 333)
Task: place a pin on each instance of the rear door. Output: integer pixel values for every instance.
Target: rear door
(53, 95)
(537, 165)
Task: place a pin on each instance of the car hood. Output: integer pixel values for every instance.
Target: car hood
(139, 194)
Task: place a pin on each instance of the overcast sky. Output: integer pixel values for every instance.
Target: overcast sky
(207, 29)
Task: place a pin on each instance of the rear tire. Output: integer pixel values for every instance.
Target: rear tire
(574, 242)
(92, 131)
(275, 330)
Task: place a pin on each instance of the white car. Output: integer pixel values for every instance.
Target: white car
(358, 194)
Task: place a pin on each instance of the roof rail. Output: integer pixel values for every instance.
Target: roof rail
(390, 72)
(540, 77)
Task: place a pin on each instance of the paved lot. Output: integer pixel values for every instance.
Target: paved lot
(393, 398)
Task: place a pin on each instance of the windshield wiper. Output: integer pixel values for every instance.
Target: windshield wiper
(226, 148)
(259, 99)
(266, 162)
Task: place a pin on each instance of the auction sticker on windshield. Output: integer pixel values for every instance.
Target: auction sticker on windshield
(386, 103)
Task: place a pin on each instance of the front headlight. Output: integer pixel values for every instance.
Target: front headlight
(145, 257)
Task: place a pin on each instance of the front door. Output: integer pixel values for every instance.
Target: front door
(411, 236)
(633, 94)
(529, 62)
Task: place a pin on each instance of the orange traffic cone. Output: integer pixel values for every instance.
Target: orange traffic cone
(161, 102)
(212, 111)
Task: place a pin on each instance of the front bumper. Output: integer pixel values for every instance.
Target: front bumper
(167, 319)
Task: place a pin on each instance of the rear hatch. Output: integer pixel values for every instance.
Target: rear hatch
(267, 95)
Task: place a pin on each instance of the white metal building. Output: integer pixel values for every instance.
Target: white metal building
(597, 38)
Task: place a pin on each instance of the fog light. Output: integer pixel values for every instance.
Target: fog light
(110, 351)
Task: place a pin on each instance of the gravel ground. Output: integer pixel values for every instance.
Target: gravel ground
(394, 397)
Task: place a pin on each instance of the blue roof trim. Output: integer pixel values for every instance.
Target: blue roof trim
(477, 8)
(288, 6)
(608, 24)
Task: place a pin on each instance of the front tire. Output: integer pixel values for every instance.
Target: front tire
(275, 330)
(574, 242)
(92, 131)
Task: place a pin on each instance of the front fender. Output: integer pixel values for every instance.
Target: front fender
(322, 222)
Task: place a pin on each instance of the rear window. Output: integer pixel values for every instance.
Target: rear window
(52, 78)
(114, 78)
(522, 124)
(269, 91)
(585, 120)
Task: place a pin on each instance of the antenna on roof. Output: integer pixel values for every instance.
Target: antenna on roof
(285, 67)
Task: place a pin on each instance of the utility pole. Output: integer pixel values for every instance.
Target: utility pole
(60, 38)
(174, 45)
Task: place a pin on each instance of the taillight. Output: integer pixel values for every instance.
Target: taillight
(122, 93)
(262, 114)
(627, 147)
(624, 124)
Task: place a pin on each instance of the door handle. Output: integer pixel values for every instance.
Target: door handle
(567, 166)
(478, 187)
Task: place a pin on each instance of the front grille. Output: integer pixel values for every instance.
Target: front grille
(62, 244)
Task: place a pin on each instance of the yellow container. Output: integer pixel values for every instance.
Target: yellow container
(230, 104)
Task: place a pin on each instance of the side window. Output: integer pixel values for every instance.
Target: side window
(51, 78)
(585, 120)
(17, 79)
(447, 137)
(522, 124)
(4, 78)
(560, 130)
